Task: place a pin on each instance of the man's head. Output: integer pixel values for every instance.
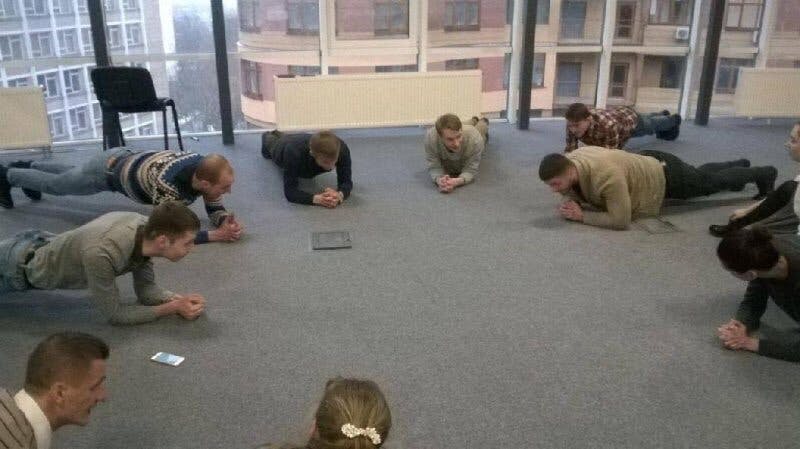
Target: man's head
(171, 230)
(558, 172)
(214, 176)
(448, 127)
(578, 119)
(325, 147)
(747, 253)
(66, 374)
(793, 144)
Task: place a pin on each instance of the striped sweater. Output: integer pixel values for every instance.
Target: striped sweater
(15, 430)
(153, 177)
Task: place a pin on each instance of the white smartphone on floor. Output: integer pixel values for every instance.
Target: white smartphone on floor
(167, 358)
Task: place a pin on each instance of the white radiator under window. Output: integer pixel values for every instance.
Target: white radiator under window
(373, 100)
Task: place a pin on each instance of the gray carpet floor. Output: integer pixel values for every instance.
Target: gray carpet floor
(488, 321)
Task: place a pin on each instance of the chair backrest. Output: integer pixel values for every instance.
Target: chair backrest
(123, 87)
(23, 119)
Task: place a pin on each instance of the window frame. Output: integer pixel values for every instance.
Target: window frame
(732, 65)
(118, 31)
(48, 77)
(740, 5)
(63, 123)
(617, 85)
(630, 27)
(391, 30)
(36, 36)
(129, 28)
(250, 13)
(71, 78)
(455, 65)
(17, 39)
(61, 36)
(672, 19)
(302, 4)
(33, 11)
(5, 6)
(74, 115)
(248, 70)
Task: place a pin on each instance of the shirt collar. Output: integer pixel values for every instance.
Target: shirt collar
(36, 417)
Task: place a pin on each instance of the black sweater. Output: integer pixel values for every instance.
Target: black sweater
(292, 153)
(786, 295)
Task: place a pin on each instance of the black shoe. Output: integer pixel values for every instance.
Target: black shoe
(721, 230)
(5, 190)
(665, 113)
(264, 138)
(672, 133)
(35, 195)
(766, 181)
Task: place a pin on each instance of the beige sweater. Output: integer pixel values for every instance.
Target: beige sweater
(464, 163)
(621, 185)
(15, 430)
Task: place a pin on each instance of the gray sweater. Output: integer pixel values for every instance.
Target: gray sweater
(786, 295)
(463, 163)
(92, 256)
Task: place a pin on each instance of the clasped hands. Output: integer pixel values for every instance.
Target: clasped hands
(571, 210)
(447, 184)
(189, 306)
(229, 230)
(329, 198)
(733, 335)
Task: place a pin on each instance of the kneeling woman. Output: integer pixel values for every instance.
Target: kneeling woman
(771, 266)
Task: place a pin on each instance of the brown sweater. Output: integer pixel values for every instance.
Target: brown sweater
(621, 185)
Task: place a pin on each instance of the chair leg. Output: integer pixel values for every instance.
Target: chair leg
(119, 129)
(177, 127)
(166, 135)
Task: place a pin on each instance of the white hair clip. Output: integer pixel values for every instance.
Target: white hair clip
(351, 431)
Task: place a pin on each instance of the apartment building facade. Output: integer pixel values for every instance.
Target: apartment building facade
(48, 43)
(649, 53)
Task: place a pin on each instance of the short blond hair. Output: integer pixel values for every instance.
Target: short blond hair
(212, 167)
(448, 121)
(325, 144)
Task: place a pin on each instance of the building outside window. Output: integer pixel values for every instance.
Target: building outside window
(671, 73)
(58, 124)
(304, 70)
(19, 82)
(8, 9)
(114, 36)
(248, 15)
(728, 74)
(62, 7)
(391, 17)
(68, 42)
(251, 79)
(618, 85)
(11, 47)
(537, 80)
(35, 7)
(573, 19)
(49, 83)
(82, 6)
(670, 12)
(111, 5)
(626, 17)
(146, 130)
(461, 64)
(41, 45)
(542, 11)
(79, 118)
(303, 17)
(86, 36)
(130, 5)
(72, 80)
(98, 113)
(462, 15)
(395, 68)
(133, 34)
(743, 15)
(568, 83)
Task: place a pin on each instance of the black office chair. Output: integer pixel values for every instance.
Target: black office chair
(129, 90)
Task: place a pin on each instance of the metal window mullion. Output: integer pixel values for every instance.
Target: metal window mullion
(765, 32)
(694, 36)
(324, 36)
(604, 71)
(517, 37)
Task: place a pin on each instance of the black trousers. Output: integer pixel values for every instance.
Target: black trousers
(685, 181)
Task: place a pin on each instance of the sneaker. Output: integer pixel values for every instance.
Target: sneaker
(5, 189)
(721, 230)
(766, 181)
(34, 195)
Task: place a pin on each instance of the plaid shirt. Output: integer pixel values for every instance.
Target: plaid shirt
(609, 128)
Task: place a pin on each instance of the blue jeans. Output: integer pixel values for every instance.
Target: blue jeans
(14, 252)
(60, 179)
(653, 123)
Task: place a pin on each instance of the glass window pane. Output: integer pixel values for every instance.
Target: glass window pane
(381, 20)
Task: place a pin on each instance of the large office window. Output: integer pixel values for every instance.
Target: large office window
(743, 15)
(303, 16)
(462, 15)
(728, 73)
(41, 44)
(670, 12)
(11, 47)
